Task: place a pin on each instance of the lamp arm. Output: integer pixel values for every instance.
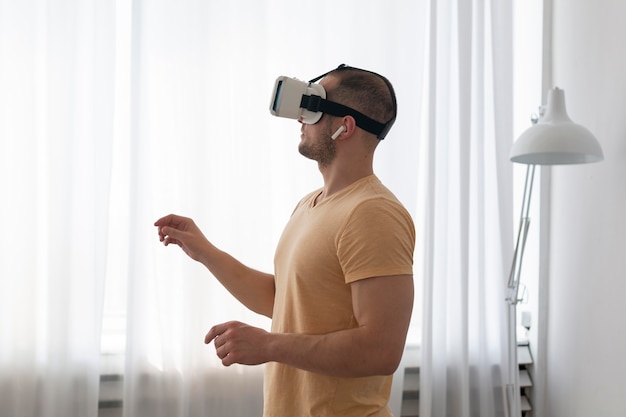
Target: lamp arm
(522, 234)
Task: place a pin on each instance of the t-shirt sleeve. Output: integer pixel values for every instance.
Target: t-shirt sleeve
(378, 239)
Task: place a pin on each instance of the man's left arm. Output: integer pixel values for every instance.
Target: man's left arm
(382, 308)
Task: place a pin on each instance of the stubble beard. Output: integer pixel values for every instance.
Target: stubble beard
(323, 152)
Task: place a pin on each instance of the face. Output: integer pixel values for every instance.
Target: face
(316, 142)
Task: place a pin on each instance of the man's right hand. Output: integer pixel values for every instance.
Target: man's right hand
(182, 231)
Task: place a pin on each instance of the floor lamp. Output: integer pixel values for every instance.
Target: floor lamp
(552, 140)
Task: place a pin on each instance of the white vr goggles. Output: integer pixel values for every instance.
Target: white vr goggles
(306, 101)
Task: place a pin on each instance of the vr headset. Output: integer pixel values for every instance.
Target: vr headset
(295, 99)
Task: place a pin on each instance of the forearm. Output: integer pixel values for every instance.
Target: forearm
(347, 353)
(254, 289)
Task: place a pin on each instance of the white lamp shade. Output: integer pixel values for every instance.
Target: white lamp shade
(555, 139)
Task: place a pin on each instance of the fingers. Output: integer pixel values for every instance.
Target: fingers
(226, 340)
(173, 220)
(161, 223)
(163, 220)
(169, 228)
(169, 235)
(220, 329)
(168, 220)
(216, 334)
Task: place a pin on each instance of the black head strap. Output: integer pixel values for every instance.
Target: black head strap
(317, 104)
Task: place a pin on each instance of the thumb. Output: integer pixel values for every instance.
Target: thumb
(213, 333)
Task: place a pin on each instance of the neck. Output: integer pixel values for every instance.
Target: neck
(338, 175)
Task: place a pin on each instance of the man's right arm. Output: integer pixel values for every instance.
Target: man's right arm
(255, 289)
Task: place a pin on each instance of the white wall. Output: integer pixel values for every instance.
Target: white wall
(586, 318)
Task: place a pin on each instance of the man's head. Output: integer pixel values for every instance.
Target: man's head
(362, 104)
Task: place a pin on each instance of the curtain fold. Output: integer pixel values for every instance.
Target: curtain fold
(468, 209)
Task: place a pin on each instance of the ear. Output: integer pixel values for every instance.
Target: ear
(349, 127)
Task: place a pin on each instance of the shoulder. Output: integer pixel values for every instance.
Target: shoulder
(374, 201)
(377, 214)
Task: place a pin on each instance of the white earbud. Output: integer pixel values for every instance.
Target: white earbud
(338, 132)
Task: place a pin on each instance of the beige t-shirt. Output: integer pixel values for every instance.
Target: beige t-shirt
(359, 232)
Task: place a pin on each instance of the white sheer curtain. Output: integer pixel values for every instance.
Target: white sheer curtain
(56, 96)
(468, 207)
(113, 113)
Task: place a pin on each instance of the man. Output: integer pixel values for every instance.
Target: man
(341, 294)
